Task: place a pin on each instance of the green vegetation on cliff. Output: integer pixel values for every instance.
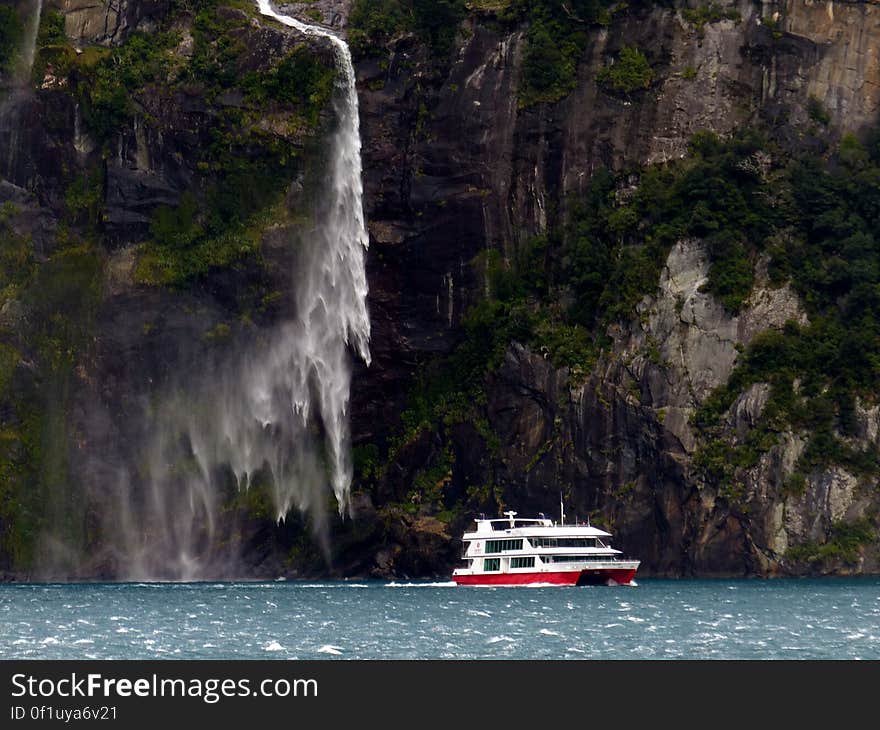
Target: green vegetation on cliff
(17, 433)
(711, 12)
(110, 82)
(610, 253)
(234, 123)
(37, 361)
(556, 33)
(844, 544)
(824, 243)
(249, 147)
(619, 238)
(630, 72)
(372, 24)
(561, 291)
(55, 58)
(555, 43)
(246, 166)
(17, 259)
(11, 36)
(297, 80)
(813, 218)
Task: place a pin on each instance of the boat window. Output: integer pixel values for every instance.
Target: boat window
(578, 558)
(522, 562)
(491, 564)
(499, 546)
(573, 542)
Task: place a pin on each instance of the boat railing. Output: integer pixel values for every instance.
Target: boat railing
(564, 558)
(546, 556)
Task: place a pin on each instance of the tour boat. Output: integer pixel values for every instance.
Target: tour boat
(511, 551)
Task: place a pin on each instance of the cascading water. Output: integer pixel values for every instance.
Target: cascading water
(331, 299)
(279, 412)
(30, 48)
(13, 108)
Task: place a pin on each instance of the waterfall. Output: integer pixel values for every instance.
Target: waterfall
(276, 413)
(30, 48)
(331, 298)
(14, 108)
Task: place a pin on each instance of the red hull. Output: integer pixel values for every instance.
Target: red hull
(561, 578)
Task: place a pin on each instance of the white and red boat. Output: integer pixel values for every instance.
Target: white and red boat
(512, 551)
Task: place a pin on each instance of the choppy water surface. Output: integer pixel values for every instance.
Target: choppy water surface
(658, 619)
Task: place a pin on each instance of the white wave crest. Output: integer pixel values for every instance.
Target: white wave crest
(330, 649)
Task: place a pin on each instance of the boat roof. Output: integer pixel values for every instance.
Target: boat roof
(536, 526)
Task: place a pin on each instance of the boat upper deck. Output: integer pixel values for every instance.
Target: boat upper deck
(540, 527)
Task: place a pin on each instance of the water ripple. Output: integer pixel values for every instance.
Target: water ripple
(661, 619)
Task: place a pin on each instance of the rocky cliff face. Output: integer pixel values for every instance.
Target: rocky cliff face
(477, 171)
(455, 165)
(104, 317)
(93, 21)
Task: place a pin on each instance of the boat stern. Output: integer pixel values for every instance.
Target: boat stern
(621, 576)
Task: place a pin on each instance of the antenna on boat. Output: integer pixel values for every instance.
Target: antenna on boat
(561, 510)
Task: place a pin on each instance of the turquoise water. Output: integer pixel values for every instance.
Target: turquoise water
(657, 619)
